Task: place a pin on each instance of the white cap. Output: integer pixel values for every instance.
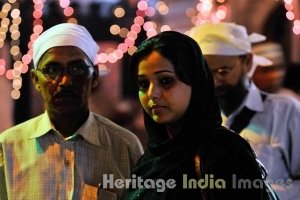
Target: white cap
(66, 34)
(270, 50)
(227, 39)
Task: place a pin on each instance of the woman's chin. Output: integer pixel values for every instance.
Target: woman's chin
(161, 120)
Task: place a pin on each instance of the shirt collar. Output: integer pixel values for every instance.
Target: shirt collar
(88, 130)
(254, 99)
(43, 126)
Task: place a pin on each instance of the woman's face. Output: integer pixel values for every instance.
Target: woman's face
(163, 96)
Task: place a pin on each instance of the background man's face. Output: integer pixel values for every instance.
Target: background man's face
(229, 73)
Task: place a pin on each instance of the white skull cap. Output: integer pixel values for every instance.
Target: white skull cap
(65, 34)
(224, 38)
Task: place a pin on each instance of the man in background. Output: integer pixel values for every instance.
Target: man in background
(282, 76)
(269, 122)
(270, 78)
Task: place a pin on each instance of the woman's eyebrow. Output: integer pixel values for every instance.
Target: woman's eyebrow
(163, 71)
(159, 72)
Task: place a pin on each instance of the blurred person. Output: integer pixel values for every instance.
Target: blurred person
(291, 81)
(53, 14)
(183, 122)
(97, 23)
(65, 152)
(280, 77)
(78, 14)
(269, 122)
(270, 78)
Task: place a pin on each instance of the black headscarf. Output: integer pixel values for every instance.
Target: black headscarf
(171, 158)
(190, 66)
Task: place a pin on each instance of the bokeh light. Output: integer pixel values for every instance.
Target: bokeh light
(15, 94)
(290, 15)
(119, 12)
(165, 28)
(115, 29)
(68, 11)
(64, 3)
(142, 5)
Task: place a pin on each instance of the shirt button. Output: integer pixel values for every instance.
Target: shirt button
(67, 162)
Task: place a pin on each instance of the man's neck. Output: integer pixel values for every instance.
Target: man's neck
(232, 102)
(67, 124)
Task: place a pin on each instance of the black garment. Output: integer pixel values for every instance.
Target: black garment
(223, 153)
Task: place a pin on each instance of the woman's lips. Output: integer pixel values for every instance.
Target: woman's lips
(157, 108)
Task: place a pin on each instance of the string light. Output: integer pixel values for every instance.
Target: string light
(290, 15)
(111, 55)
(206, 11)
(14, 74)
(129, 35)
(119, 12)
(162, 8)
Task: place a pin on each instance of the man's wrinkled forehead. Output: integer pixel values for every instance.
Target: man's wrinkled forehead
(63, 55)
(65, 34)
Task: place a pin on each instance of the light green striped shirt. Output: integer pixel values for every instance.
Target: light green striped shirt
(36, 162)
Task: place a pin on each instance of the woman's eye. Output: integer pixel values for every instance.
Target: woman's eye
(166, 81)
(143, 84)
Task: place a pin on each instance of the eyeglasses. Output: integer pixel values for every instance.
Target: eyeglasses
(53, 71)
(222, 73)
(225, 71)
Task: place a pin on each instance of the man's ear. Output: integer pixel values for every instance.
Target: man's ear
(248, 62)
(95, 78)
(35, 80)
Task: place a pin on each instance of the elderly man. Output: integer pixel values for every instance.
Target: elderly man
(66, 152)
(269, 122)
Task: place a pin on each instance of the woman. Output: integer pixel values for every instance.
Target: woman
(182, 118)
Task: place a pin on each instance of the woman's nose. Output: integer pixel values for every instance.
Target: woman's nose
(154, 91)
